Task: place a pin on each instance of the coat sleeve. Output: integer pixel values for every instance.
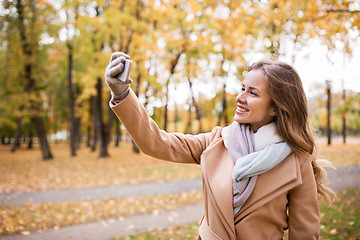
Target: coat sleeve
(175, 147)
(304, 220)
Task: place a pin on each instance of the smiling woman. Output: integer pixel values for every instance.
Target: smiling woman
(260, 175)
(254, 105)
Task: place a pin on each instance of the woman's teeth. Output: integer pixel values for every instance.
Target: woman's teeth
(240, 109)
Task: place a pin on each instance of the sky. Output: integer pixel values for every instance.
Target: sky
(314, 63)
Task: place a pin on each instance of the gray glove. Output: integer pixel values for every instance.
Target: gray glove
(119, 89)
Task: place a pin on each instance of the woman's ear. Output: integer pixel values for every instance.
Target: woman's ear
(273, 113)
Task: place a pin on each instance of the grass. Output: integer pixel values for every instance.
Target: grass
(340, 221)
(183, 232)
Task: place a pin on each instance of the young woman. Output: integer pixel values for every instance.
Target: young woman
(260, 175)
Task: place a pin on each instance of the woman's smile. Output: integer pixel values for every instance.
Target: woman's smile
(240, 109)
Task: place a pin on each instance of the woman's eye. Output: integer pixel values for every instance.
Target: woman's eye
(253, 93)
(243, 89)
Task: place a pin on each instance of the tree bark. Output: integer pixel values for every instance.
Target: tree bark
(30, 81)
(117, 133)
(88, 140)
(172, 71)
(188, 125)
(17, 134)
(30, 142)
(110, 125)
(328, 88)
(166, 105)
(101, 132)
(223, 113)
(39, 126)
(71, 103)
(77, 132)
(95, 131)
(194, 103)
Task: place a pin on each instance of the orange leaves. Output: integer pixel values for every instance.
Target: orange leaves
(41, 217)
(25, 171)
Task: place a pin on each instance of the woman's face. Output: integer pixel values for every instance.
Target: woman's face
(254, 102)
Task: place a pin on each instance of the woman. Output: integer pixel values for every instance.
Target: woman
(260, 175)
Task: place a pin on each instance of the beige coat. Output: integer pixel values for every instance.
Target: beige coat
(284, 197)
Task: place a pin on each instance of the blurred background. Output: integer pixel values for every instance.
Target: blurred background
(189, 58)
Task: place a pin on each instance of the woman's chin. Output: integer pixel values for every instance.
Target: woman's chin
(239, 119)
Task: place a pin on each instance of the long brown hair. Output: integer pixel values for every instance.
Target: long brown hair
(292, 116)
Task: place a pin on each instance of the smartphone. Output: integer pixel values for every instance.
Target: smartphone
(124, 75)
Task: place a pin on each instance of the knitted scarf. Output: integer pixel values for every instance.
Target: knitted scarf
(252, 154)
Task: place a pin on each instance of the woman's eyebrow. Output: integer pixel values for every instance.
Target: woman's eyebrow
(254, 88)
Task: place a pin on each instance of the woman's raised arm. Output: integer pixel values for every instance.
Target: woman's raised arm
(176, 147)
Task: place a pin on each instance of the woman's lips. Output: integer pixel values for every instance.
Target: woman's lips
(241, 109)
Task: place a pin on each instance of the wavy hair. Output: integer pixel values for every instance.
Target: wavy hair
(292, 116)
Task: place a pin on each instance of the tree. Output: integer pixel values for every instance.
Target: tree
(32, 21)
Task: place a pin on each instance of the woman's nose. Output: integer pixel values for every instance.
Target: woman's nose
(241, 97)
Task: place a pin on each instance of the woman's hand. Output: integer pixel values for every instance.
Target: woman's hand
(119, 89)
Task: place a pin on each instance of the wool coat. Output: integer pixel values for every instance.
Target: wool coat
(285, 197)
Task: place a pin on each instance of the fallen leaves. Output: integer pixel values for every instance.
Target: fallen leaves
(41, 217)
(340, 154)
(25, 171)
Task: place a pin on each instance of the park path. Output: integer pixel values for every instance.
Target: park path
(122, 191)
(339, 179)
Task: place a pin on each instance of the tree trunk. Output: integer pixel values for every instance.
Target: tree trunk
(197, 107)
(95, 131)
(135, 147)
(223, 113)
(88, 140)
(44, 145)
(328, 85)
(30, 142)
(101, 132)
(77, 132)
(176, 118)
(17, 134)
(172, 71)
(110, 124)
(117, 133)
(188, 128)
(71, 103)
(166, 105)
(138, 82)
(30, 81)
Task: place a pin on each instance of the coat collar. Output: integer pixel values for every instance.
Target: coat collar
(217, 167)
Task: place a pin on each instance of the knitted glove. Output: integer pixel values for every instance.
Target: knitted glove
(119, 89)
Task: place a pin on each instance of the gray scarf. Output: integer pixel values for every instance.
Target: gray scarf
(239, 140)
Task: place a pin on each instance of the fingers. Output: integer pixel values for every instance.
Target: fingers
(115, 70)
(117, 62)
(116, 55)
(116, 66)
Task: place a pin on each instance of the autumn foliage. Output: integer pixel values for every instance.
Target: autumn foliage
(54, 53)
